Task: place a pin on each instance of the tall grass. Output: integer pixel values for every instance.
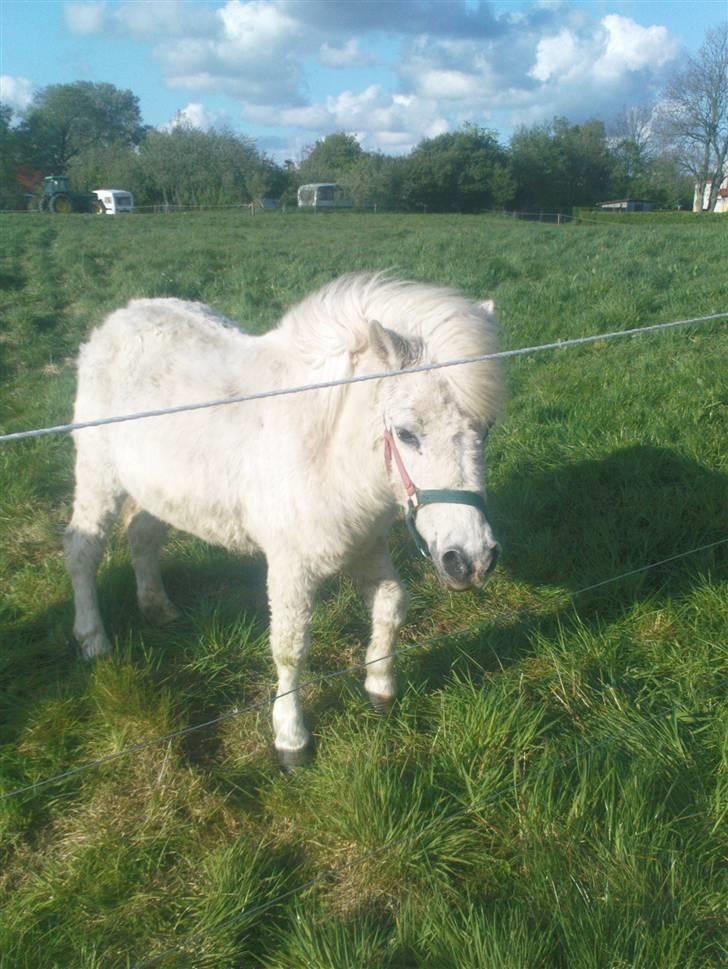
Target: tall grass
(552, 788)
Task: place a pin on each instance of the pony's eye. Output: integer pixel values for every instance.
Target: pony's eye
(407, 437)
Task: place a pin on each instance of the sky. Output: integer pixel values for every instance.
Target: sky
(392, 72)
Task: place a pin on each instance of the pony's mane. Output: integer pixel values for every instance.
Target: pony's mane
(329, 328)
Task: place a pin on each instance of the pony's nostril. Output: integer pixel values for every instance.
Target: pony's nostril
(456, 565)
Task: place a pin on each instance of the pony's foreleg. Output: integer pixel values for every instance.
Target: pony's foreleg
(291, 602)
(387, 599)
(96, 505)
(146, 535)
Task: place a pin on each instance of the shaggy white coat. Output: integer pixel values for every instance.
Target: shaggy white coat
(300, 477)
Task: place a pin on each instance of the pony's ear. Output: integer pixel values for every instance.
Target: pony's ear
(395, 351)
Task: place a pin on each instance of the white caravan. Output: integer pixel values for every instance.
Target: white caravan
(114, 200)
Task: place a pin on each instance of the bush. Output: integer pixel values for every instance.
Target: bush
(645, 218)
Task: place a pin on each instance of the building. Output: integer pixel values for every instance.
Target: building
(721, 204)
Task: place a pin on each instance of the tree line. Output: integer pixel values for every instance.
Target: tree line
(94, 133)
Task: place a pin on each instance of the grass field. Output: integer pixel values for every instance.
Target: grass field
(551, 792)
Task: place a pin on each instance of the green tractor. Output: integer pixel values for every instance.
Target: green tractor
(58, 197)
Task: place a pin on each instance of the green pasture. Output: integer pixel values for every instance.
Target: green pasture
(551, 791)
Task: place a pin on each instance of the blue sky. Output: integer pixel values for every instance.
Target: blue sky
(391, 71)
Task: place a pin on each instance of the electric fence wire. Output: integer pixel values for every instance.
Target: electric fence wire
(191, 942)
(361, 378)
(513, 614)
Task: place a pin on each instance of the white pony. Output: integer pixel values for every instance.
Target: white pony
(313, 479)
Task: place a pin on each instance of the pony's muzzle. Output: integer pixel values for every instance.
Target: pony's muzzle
(462, 573)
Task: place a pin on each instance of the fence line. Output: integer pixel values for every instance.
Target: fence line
(543, 216)
(192, 941)
(361, 378)
(604, 217)
(355, 667)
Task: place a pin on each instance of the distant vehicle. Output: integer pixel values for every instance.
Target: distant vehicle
(57, 197)
(323, 195)
(627, 205)
(114, 201)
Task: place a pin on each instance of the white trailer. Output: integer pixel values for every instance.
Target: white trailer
(114, 200)
(323, 195)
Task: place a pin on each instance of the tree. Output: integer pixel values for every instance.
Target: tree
(636, 125)
(108, 166)
(558, 165)
(502, 185)
(187, 166)
(632, 145)
(374, 180)
(694, 117)
(461, 171)
(330, 158)
(66, 120)
(8, 156)
(669, 185)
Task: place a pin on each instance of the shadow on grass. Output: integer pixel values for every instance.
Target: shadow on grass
(578, 525)
(215, 657)
(41, 661)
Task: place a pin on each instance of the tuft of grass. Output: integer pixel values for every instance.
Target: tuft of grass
(332, 943)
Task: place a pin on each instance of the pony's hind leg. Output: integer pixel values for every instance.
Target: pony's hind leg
(146, 535)
(95, 508)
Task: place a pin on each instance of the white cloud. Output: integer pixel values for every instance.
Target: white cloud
(471, 74)
(557, 56)
(391, 122)
(311, 116)
(455, 61)
(16, 92)
(250, 27)
(195, 115)
(630, 47)
(546, 61)
(347, 56)
(252, 55)
(449, 85)
(157, 19)
(85, 18)
(615, 49)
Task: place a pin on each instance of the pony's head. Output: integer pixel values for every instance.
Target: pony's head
(435, 424)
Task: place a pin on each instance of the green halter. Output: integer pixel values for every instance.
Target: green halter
(434, 496)
(437, 496)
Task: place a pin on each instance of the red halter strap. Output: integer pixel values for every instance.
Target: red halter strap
(391, 449)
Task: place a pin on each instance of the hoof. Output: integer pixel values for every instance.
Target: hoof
(160, 613)
(95, 645)
(290, 760)
(381, 704)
